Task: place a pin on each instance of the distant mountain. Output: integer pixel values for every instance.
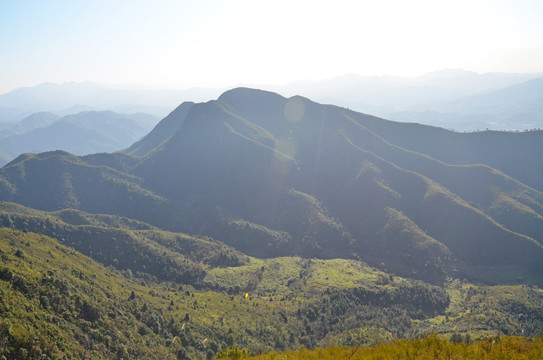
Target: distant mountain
(275, 176)
(429, 99)
(515, 107)
(524, 97)
(383, 94)
(36, 120)
(81, 134)
(41, 119)
(73, 97)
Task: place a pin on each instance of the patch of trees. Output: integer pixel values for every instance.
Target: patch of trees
(391, 309)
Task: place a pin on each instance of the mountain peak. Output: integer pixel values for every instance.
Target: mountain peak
(248, 94)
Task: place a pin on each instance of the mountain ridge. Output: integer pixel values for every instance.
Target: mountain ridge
(317, 181)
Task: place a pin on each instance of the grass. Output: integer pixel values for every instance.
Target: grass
(430, 347)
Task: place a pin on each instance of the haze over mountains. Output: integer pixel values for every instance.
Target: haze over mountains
(72, 97)
(81, 134)
(453, 99)
(275, 176)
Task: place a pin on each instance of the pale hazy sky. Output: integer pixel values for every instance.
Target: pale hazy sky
(180, 44)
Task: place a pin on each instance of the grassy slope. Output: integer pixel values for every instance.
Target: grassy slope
(427, 348)
(478, 310)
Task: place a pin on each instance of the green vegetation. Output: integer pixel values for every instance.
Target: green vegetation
(57, 302)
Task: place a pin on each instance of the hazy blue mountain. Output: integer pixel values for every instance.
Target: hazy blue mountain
(390, 93)
(75, 97)
(12, 115)
(519, 98)
(37, 120)
(439, 98)
(515, 107)
(275, 176)
(436, 98)
(80, 134)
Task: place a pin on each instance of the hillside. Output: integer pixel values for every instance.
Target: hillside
(161, 132)
(57, 302)
(273, 176)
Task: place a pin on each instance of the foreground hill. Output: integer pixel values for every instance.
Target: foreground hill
(273, 176)
(56, 302)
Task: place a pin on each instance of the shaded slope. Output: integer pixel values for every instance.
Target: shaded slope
(161, 132)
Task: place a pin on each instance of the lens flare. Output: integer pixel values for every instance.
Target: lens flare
(294, 109)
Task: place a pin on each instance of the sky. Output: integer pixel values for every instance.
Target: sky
(184, 43)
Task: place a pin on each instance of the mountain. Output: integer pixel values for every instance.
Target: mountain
(162, 132)
(71, 97)
(429, 98)
(518, 98)
(452, 99)
(31, 122)
(384, 95)
(275, 176)
(81, 134)
(514, 107)
(37, 120)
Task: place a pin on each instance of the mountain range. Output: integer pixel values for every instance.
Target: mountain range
(453, 99)
(83, 133)
(74, 97)
(274, 176)
(515, 107)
